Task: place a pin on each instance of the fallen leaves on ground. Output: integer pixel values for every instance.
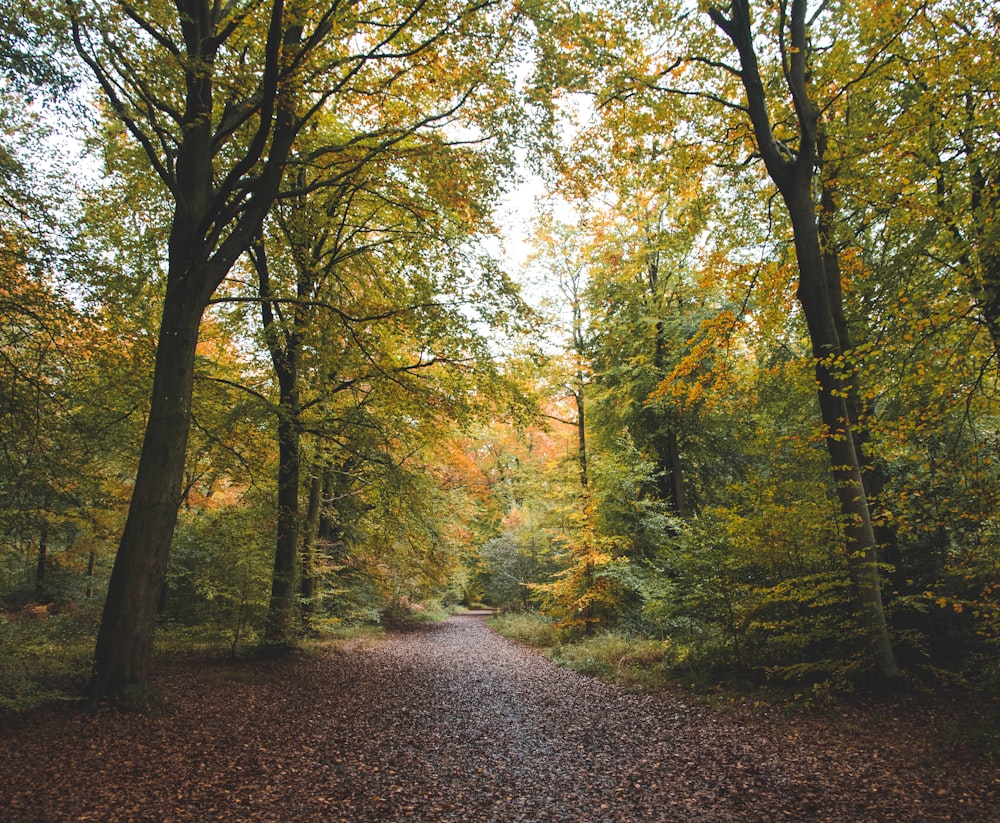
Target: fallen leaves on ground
(452, 723)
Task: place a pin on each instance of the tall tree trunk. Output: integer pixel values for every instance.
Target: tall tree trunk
(43, 559)
(792, 171)
(125, 638)
(664, 439)
(307, 563)
(284, 345)
(281, 610)
(672, 475)
(581, 433)
(873, 470)
(91, 560)
(860, 548)
(221, 193)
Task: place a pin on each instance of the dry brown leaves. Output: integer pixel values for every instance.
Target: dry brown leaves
(452, 723)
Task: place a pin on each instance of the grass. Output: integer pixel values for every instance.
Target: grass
(49, 660)
(637, 664)
(529, 628)
(408, 612)
(982, 737)
(44, 660)
(334, 635)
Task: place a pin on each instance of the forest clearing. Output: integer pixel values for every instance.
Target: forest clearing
(448, 722)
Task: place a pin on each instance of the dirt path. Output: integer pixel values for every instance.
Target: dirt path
(452, 723)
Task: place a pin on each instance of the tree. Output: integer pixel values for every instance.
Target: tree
(647, 311)
(793, 170)
(562, 251)
(50, 469)
(917, 173)
(387, 248)
(33, 51)
(216, 97)
(671, 97)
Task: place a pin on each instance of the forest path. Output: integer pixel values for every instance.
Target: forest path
(450, 722)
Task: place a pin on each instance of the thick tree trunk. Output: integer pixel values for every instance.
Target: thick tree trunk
(283, 345)
(792, 172)
(125, 638)
(43, 559)
(873, 471)
(860, 544)
(281, 611)
(307, 578)
(211, 228)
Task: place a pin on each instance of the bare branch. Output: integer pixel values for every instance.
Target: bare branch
(118, 105)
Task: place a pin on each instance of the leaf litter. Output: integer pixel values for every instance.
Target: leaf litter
(451, 722)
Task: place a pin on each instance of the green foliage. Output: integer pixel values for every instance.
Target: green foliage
(983, 738)
(622, 479)
(220, 570)
(530, 628)
(403, 611)
(44, 655)
(351, 593)
(586, 592)
(33, 50)
(507, 569)
(804, 630)
(637, 664)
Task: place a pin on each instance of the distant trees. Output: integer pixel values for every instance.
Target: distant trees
(714, 313)
(52, 484)
(359, 286)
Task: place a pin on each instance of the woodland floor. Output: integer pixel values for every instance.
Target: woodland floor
(450, 722)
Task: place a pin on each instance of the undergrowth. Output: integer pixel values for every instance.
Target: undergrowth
(644, 664)
(48, 659)
(44, 660)
(404, 611)
(636, 664)
(529, 628)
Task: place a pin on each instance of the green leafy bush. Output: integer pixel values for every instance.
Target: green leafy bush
(45, 657)
(220, 571)
(529, 628)
(636, 663)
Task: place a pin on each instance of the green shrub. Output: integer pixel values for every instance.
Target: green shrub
(529, 628)
(219, 575)
(45, 657)
(403, 610)
(638, 664)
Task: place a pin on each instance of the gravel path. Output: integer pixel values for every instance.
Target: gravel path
(452, 723)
